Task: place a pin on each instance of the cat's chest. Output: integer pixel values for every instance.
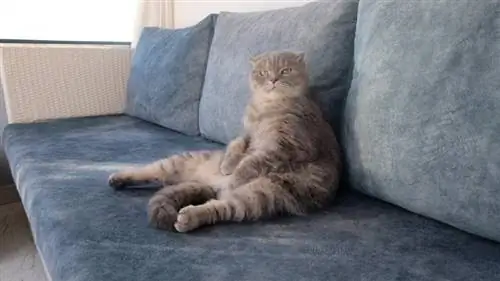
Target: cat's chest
(264, 136)
(256, 121)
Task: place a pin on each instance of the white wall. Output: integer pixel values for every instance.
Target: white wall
(68, 20)
(189, 12)
(107, 20)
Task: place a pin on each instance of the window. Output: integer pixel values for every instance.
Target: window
(68, 20)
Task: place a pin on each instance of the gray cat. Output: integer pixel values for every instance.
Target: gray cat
(287, 161)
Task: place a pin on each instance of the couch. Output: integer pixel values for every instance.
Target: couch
(411, 88)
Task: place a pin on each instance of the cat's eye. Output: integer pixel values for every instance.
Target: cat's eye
(286, 70)
(262, 73)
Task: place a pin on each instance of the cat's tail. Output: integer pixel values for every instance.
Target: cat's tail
(164, 205)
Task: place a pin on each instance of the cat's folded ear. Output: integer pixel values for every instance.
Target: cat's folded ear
(255, 59)
(300, 56)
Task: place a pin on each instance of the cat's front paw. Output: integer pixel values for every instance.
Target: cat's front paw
(225, 169)
(161, 215)
(118, 181)
(187, 219)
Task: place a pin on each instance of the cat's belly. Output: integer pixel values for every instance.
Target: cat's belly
(221, 183)
(208, 170)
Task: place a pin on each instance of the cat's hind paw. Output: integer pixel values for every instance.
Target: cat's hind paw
(117, 182)
(187, 219)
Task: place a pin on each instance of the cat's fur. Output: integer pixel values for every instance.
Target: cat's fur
(286, 162)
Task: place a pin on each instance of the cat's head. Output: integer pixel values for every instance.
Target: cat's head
(280, 72)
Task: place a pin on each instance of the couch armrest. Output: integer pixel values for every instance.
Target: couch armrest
(42, 82)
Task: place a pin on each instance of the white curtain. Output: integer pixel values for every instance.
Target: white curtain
(158, 13)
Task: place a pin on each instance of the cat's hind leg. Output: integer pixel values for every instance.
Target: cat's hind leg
(188, 166)
(255, 200)
(154, 172)
(165, 203)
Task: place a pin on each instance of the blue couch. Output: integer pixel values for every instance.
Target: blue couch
(412, 90)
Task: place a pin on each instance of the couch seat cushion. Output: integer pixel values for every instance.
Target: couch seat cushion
(86, 231)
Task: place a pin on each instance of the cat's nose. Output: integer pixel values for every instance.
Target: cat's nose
(273, 80)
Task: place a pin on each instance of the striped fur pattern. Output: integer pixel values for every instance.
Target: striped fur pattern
(285, 162)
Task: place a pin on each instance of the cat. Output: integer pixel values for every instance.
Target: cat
(286, 161)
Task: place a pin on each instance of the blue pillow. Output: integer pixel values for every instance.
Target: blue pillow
(167, 74)
(323, 30)
(422, 120)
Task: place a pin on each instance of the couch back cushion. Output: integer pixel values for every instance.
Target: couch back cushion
(323, 30)
(422, 120)
(167, 73)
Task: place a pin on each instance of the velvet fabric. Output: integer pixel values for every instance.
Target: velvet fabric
(167, 74)
(323, 30)
(422, 120)
(87, 231)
